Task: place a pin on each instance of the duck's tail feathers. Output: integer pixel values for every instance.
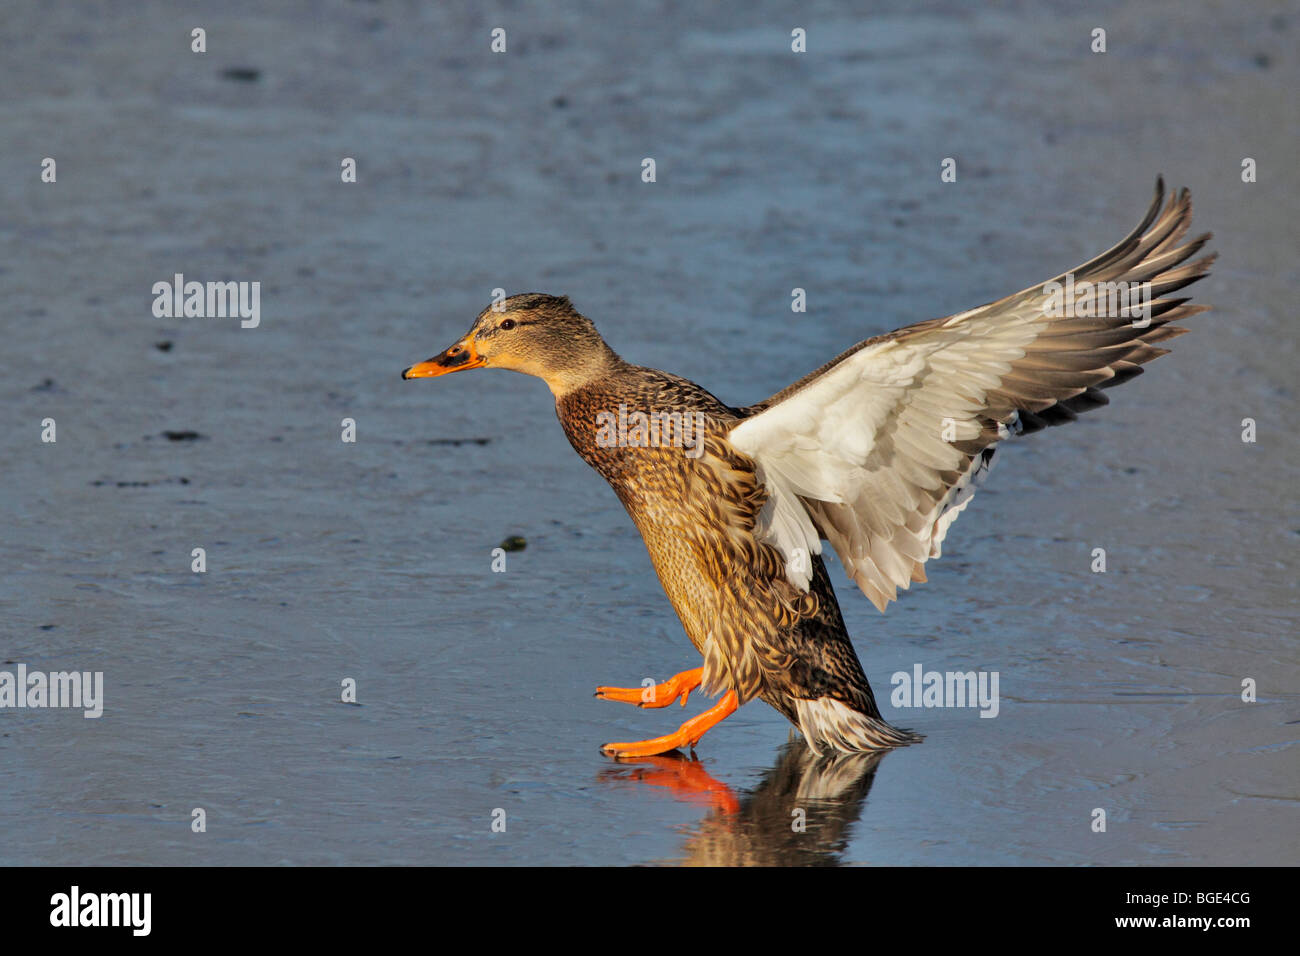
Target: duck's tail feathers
(829, 724)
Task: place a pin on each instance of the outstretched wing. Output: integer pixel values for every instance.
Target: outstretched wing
(880, 449)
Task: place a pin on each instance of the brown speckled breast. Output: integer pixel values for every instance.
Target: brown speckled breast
(759, 634)
(662, 488)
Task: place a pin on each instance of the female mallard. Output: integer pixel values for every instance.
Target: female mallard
(877, 452)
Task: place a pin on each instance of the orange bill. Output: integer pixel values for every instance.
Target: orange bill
(460, 356)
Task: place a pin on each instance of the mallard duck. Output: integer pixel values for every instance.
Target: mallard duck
(877, 452)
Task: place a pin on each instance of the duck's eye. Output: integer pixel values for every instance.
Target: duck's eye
(507, 325)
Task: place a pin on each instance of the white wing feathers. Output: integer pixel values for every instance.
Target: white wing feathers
(880, 450)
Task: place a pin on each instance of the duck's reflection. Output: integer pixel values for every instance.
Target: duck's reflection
(798, 815)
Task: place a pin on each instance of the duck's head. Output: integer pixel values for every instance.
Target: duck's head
(533, 333)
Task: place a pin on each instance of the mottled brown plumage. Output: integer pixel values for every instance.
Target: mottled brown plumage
(759, 634)
(876, 452)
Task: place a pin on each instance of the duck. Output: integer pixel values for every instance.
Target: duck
(876, 453)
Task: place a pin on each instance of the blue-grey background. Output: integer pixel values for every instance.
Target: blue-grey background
(522, 171)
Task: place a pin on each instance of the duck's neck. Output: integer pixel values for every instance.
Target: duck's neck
(591, 367)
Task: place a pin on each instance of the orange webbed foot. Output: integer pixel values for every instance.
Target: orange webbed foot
(656, 695)
(687, 735)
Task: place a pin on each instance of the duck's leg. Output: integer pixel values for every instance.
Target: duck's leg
(687, 735)
(660, 695)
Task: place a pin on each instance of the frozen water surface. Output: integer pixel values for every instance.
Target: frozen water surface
(371, 560)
